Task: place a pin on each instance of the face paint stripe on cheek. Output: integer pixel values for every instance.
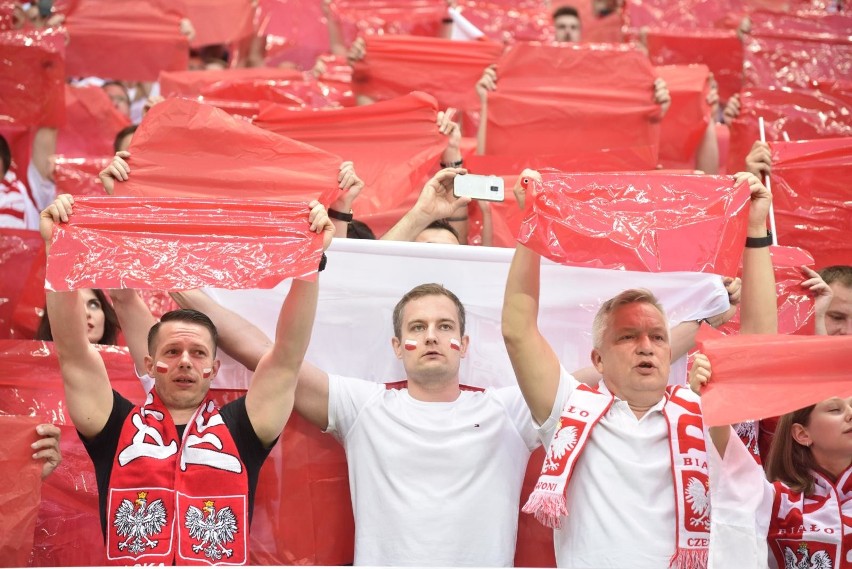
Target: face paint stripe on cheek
(411, 345)
(161, 367)
(455, 344)
(207, 372)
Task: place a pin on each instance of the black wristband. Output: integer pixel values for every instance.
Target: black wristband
(458, 164)
(339, 215)
(323, 261)
(758, 242)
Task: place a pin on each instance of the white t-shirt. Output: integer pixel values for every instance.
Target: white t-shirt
(433, 484)
(621, 495)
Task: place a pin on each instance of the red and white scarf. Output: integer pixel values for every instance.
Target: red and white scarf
(582, 411)
(177, 501)
(815, 530)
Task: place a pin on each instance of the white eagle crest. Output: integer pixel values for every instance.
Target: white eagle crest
(140, 523)
(699, 501)
(563, 442)
(214, 530)
(747, 432)
(819, 560)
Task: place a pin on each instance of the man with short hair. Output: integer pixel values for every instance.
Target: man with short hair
(439, 231)
(176, 475)
(567, 25)
(838, 317)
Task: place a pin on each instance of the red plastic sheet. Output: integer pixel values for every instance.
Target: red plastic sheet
(554, 100)
(803, 115)
(768, 375)
(22, 285)
(219, 21)
(784, 50)
(20, 480)
(394, 144)
(181, 244)
(446, 69)
(92, 123)
(719, 50)
(686, 121)
(639, 222)
(32, 84)
(196, 83)
(184, 148)
(388, 17)
(810, 187)
(295, 31)
(79, 176)
(681, 14)
(124, 39)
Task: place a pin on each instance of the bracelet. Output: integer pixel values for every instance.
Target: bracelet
(339, 215)
(464, 218)
(759, 242)
(323, 261)
(458, 164)
(700, 320)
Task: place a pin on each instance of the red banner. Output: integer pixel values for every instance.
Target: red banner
(295, 32)
(389, 18)
(761, 376)
(20, 479)
(32, 84)
(219, 21)
(79, 176)
(181, 244)
(810, 188)
(448, 70)
(124, 39)
(639, 222)
(555, 98)
(184, 148)
(22, 285)
(92, 123)
(682, 14)
(194, 83)
(394, 144)
(686, 121)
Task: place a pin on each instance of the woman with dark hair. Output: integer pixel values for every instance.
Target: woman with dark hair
(101, 320)
(801, 516)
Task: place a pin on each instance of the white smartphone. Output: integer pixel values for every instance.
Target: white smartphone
(489, 188)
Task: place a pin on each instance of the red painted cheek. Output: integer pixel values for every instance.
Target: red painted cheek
(411, 345)
(207, 372)
(455, 344)
(161, 367)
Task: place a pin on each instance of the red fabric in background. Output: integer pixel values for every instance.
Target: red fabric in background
(388, 17)
(639, 222)
(92, 123)
(720, 50)
(79, 176)
(219, 21)
(124, 39)
(194, 83)
(686, 121)
(395, 144)
(32, 83)
(797, 51)
(810, 188)
(446, 69)
(20, 480)
(22, 286)
(295, 31)
(185, 148)
(760, 376)
(136, 243)
(556, 100)
(681, 14)
(803, 115)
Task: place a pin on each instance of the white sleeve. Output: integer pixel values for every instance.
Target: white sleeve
(44, 191)
(347, 396)
(741, 498)
(567, 385)
(516, 408)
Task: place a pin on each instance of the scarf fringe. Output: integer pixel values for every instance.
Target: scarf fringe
(547, 507)
(689, 559)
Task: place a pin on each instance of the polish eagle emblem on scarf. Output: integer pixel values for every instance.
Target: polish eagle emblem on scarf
(213, 530)
(137, 521)
(819, 560)
(698, 498)
(564, 440)
(747, 432)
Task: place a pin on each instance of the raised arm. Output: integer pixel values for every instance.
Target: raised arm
(436, 201)
(486, 83)
(340, 210)
(135, 319)
(758, 308)
(269, 399)
(87, 388)
(534, 361)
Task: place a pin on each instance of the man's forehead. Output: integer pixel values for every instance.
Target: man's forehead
(636, 313)
(431, 307)
(177, 330)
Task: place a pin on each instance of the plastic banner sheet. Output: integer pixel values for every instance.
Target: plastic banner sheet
(32, 84)
(194, 83)
(810, 187)
(79, 176)
(394, 144)
(446, 69)
(682, 14)
(686, 121)
(720, 50)
(219, 21)
(22, 285)
(388, 17)
(768, 375)
(20, 480)
(181, 243)
(545, 92)
(295, 32)
(802, 114)
(124, 39)
(185, 148)
(784, 50)
(617, 221)
(92, 123)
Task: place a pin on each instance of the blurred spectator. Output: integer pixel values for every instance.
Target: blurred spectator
(838, 316)
(101, 320)
(17, 210)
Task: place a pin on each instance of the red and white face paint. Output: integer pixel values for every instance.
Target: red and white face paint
(411, 345)
(161, 367)
(455, 344)
(207, 372)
